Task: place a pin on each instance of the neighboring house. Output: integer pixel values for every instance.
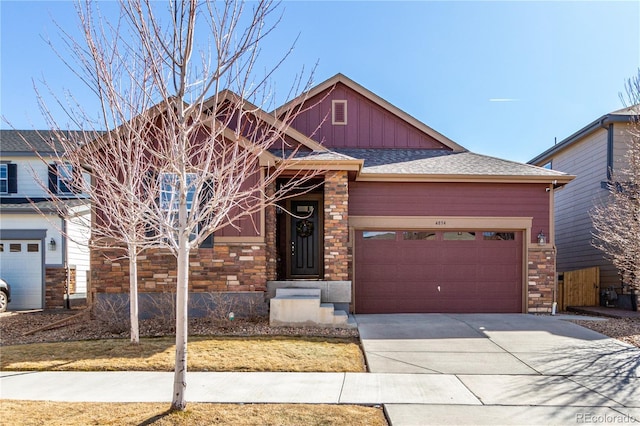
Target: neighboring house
(405, 220)
(591, 154)
(45, 258)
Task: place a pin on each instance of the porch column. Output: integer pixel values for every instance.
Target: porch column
(336, 226)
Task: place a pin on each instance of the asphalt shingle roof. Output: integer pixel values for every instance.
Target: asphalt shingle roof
(440, 162)
(26, 141)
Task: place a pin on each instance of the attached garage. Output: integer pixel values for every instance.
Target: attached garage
(443, 271)
(21, 265)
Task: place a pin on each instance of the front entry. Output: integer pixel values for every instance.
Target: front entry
(304, 248)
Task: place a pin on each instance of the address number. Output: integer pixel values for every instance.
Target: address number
(441, 222)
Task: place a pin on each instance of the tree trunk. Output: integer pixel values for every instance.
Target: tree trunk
(133, 295)
(179, 402)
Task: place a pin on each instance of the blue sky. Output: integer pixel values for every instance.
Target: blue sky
(500, 78)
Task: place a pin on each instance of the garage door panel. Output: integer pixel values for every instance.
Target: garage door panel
(21, 267)
(438, 275)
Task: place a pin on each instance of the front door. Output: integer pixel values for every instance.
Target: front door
(304, 245)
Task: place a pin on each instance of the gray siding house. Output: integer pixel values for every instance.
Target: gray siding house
(591, 154)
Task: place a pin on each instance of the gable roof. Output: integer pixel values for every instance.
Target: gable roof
(624, 115)
(341, 78)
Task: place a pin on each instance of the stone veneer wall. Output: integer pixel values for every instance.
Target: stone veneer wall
(336, 226)
(56, 286)
(541, 267)
(270, 238)
(234, 267)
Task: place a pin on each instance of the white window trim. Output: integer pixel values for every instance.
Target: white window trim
(334, 104)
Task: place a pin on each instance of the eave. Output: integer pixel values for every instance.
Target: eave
(557, 181)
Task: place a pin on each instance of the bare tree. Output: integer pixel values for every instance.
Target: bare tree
(206, 154)
(616, 220)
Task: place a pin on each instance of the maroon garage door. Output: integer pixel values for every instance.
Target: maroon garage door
(438, 271)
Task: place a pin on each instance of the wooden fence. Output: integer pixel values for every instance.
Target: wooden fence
(579, 288)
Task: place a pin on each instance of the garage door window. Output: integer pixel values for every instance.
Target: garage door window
(15, 248)
(379, 235)
(459, 236)
(499, 236)
(33, 248)
(418, 236)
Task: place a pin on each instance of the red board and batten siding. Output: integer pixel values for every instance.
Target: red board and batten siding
(368, 124)
(452, 199)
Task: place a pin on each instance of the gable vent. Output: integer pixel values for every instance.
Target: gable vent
(339, 112)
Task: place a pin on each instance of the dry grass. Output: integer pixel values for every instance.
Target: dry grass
(296, 354)
(72, 414)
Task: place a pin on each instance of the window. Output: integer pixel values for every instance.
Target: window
(8, 178)
(499, 236)
(379, 235)
(4, 179)
(33, 248)
(548, 165)
(15, 248)
(459, 236)
(418, 235)
(169, 197)
(339, 112)
(61, 177)
(65, 178)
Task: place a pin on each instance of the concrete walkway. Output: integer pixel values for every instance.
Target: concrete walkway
(425, 369)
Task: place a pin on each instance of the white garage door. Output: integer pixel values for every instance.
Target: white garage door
(21, 267)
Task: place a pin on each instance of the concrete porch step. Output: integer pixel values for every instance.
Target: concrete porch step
(303, 307)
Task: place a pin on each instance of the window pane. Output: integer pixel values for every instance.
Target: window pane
(459, 236)
(1, 247)
(3, 171)
(65, 178)
(169, 197)
(379, 235)
(418, 235)
(3, 186)
(33, 248)
(499, 236)
(15, 248)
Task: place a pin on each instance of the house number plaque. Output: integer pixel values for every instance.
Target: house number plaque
(441, 222)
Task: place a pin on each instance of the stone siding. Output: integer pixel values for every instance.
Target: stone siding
(55, 287)
(233, 267)
(270, 238)
(541, 276)
(336, 226)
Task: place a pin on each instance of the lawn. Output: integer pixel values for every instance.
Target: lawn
(76, 414)
(295, 354)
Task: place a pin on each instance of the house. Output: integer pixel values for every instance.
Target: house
(43, 254)
(403, 220)
(591, 154)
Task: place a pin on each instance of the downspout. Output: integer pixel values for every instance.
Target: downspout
(608, 126)
(552, 240)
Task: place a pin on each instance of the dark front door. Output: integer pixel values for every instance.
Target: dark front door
(303, 244)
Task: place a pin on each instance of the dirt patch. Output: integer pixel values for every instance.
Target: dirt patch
(77, 324)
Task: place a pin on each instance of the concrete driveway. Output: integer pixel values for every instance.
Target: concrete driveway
(521, 369)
